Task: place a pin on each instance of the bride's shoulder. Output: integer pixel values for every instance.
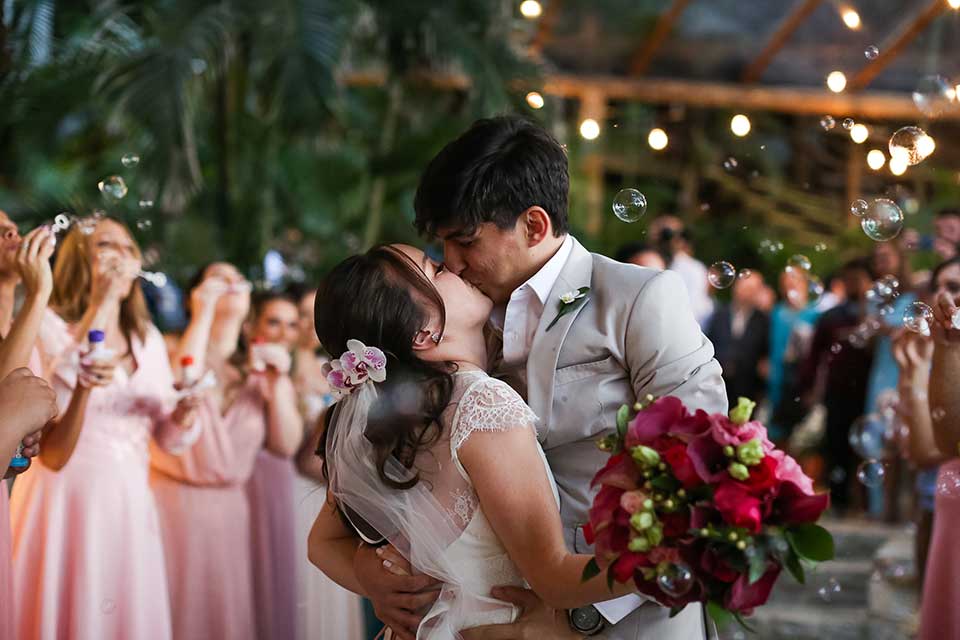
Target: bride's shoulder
(489, 404)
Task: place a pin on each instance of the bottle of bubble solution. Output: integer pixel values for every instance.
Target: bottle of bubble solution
(98, 348)
(188, 373)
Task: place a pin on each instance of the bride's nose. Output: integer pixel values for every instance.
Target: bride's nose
(452, 261)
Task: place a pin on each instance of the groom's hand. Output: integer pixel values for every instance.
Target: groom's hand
(536, 621)
(398, 598)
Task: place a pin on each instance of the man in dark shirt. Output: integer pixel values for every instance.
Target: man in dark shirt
(839, 347)
(740, 334)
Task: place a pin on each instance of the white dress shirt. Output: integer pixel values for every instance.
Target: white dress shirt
(518, 320)
(694, 275)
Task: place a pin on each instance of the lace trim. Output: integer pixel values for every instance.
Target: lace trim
(464, 505)
(490, 405)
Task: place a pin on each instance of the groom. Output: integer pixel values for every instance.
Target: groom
(497, 199)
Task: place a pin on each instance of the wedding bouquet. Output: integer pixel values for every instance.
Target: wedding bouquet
(702, 508)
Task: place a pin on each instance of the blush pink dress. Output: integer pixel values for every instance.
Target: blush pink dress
(939, 612)
(87, 554)
(205, 521)
(273, 540)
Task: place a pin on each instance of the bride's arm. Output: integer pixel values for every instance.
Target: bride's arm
(331, 548)
(511, 482)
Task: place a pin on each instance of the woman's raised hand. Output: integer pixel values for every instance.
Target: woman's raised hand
(33, 262)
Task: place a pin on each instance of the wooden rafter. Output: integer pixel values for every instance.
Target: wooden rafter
(548, 22)
(642, 58)
(779, 38)
(901, 38)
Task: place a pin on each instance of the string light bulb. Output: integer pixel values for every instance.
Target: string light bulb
(876, 159)
(850, 18)
(530, 9)
(836, 81)
(657, 139)
(859, 133)
(535, 100)
(898, 164)
(740, 125)
(589, 129)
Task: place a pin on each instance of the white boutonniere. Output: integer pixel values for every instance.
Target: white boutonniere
(569, 301)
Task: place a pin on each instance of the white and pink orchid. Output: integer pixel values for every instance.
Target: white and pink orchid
(359, 364)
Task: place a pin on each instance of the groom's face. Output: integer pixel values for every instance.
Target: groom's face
(492, 259)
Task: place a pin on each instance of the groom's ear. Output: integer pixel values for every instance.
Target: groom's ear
(536, 225)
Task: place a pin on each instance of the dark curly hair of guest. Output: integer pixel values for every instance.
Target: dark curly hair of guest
(383, 299)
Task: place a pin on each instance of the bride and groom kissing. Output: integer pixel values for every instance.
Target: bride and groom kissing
(473, 394)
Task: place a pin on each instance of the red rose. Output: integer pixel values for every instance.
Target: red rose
(627, 564)
(737, 507)
(620, 471)
(682, 466)
(675, 525)
(717, 567)
(743, 596)
(763, 477)
(794, 506)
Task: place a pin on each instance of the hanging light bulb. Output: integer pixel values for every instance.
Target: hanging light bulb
(876, 159)
(589, 129)
(535, 100)
(859, 133)
(954, 4)
(836, 81)
(850, 17)
(657, 139)
(740, 125)
(898, 164)
(530, 9)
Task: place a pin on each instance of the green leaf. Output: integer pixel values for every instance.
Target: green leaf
(758, 565)
(675, 611)
(591, 570)
(583, 290)
(811, 542)
(665, 483)
(623, 420)
(743, 622)
(795, 568)
(610, 577)
(719, 615)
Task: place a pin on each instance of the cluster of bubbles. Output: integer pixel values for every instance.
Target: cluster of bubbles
(881, 219)
(772, 247)
(629, 205)
(827, 123)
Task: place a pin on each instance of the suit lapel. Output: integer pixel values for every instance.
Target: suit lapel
(545, 351)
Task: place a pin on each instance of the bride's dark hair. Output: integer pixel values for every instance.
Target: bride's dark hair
(383, 299)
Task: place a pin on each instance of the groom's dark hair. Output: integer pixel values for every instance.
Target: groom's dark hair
(495, 171)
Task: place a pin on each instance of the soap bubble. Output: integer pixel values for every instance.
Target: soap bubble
(859, 207)
(848, 123)
(934, 95)
(820, 247)
(917, 318)
(113, 187)
(938, 414)
(874, 436)
(146, 204)
(144, 225)
(629, 205)
(883, 220)
(871, 52)
(130, 160)
(815, 289)
(730, 163)
(676, 580)
(108, 606)
(799, 262)
(721, 274)
(871, 473)
(886, 289)
(743, 274)
(827, 122)
(830, 590)
(911, 145)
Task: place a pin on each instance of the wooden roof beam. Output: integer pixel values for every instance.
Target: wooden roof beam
(779, 38)
(901, 38)
(642, 58)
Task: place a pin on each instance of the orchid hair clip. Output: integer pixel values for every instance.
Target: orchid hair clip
(357, 365)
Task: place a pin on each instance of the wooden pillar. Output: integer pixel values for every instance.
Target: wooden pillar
(593, 104)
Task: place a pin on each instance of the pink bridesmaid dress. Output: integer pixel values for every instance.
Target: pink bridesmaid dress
(6, 569)
(87, 554)
(273, 540)
(940, 609)
(205, 521)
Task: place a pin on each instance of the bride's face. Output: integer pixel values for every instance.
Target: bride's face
(467, 308)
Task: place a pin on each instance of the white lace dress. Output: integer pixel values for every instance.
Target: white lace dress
(477, 558)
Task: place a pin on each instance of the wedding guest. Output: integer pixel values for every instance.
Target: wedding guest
(201, 495)
(946, 237)
(740, 335)
(642, 255)
(939, 615)
(845, 379)
(271, 333)
(88, 559)
(673, 241)
(325, 610)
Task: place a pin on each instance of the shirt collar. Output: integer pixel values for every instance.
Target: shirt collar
(542, 281)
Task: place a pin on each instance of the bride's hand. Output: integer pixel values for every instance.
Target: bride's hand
(398, 600)
(536, 620)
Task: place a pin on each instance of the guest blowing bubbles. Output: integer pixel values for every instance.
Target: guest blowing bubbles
(87, 503)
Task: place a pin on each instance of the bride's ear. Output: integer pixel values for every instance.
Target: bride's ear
(422, 341)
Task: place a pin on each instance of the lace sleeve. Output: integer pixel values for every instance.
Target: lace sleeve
(490, 405)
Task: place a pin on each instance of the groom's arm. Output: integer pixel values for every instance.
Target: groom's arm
(666, 352)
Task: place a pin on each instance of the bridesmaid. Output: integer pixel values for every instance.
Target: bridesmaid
(326, 611)
(272, 332)
(87, 555)
(201, 495)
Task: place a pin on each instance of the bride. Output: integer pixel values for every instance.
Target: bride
(429, 453)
